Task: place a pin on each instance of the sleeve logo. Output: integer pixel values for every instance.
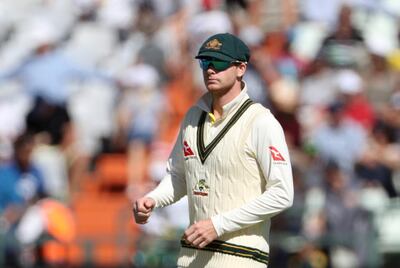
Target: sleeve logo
(187, 151)
(275, 154)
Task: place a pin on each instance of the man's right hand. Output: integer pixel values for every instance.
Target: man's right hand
(142, 209)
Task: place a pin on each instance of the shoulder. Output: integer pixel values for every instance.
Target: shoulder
(7, 168)
(264, 119)
(8, 173)
(261, 113)
(193, 115)
(259, 108)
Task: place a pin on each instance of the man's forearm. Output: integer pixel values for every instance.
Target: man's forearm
(170, 190)
(270, 203)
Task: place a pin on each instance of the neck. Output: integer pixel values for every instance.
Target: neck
(219, 100)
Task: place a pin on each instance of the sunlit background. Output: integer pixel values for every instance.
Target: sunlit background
(92, 93)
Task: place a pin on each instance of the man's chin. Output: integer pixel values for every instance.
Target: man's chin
(212, 87)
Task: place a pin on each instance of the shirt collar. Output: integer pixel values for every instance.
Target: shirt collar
(205, 102)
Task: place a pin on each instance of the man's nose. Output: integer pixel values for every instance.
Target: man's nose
(210, 69)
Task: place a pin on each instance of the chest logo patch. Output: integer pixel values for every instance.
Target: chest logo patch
(275, 154)
(187, 151)
(201, 188)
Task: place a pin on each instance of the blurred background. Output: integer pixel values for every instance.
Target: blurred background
(92, 93)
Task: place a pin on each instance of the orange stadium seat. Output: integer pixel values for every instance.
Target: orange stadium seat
(112, 170)
(106, 234)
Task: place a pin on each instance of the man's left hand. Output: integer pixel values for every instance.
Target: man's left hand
(201, 233)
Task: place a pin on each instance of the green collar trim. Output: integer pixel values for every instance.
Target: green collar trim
(204, 151)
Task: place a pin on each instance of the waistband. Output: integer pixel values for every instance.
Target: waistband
(232, 249)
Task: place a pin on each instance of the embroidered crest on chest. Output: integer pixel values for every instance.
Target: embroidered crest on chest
(201, 188)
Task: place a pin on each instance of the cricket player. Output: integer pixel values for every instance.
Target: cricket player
(232, 162)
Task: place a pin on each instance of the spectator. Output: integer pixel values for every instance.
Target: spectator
(380, 79)
(339, 139)
(344, 217)
(390, 113)
(317, 90)
(47, 227)
(357, 107)
(345, 46)
(45, 76)
(318, 87)
(21, 185)
(379, 159)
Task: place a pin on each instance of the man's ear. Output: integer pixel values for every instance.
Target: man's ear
(241, 69)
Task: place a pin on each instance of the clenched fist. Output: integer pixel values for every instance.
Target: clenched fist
(142, 209)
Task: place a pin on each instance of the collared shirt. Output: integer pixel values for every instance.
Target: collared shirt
(18, 187)
(214, 126)
(266, 143)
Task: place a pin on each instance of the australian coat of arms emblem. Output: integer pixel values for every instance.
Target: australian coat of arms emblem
(201, 188)
(213, 44)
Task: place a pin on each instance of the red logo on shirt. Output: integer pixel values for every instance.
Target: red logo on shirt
(187, 151)
(276, 155)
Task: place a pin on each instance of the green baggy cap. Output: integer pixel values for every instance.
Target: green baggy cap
(226, 47)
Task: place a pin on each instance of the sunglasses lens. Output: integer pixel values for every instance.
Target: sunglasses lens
(204, 64)
(216, 64)
(221, 65)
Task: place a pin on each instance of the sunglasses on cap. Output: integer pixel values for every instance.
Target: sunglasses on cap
(218, 65)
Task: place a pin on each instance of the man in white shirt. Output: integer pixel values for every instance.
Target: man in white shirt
(232, 161)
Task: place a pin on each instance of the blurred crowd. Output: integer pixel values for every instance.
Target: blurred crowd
(81, 78)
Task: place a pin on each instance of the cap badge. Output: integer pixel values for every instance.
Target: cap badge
(213, 44)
